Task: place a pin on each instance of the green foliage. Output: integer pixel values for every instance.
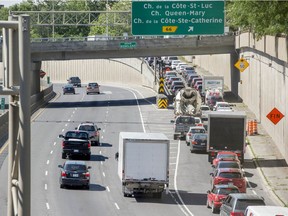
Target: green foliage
(260, 17)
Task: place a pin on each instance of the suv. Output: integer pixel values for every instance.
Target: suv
(93, 88)
(93, 131)
(235, 204)
(75, 81)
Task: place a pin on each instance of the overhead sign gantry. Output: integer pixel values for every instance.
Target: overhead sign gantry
(178, 17)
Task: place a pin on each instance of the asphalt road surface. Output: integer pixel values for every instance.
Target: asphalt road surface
(116, 109)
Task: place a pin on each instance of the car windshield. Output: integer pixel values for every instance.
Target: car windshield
(197, 130)
(228, 156)
(241, 205)
(75, 167)
(230, 175)
(201, 136)
(228, 165)
(87, 127)
(184, 120)
(226, 191)
(77, 135)
(93, 84)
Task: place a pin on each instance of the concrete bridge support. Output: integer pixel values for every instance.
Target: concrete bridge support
(35, 77)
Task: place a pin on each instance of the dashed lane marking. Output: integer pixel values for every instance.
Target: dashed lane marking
(47, 206)
(108, 189)
(117, 206)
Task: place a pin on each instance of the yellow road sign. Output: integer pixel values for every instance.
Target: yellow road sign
(170, 29)
(241, 64)
(162, 103)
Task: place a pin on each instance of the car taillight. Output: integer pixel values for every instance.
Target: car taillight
(63, 174)
(236, 214)
(63, 144)
(194, 142)
(87, 175)
(89, 145)
(189, 134)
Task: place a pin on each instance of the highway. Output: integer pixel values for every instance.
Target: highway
(115, 109)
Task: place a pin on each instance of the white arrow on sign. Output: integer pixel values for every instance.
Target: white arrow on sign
(191, 28)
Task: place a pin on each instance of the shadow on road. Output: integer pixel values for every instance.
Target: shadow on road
(98, 158)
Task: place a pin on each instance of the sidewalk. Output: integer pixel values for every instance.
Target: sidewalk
(266, 156)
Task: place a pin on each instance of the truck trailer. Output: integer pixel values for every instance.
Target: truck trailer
(143, 163)
(226, 132)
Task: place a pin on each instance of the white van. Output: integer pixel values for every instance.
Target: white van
(266, 211)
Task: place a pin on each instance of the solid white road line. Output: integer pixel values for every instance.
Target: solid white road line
(182, 204)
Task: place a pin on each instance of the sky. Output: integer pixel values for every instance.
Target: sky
(8, 3)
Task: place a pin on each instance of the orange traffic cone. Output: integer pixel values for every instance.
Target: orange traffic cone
(250, 128)
(254, 127)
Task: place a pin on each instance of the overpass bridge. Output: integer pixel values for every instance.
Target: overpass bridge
(114, 47)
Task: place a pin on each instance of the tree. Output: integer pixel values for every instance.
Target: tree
(259, 17)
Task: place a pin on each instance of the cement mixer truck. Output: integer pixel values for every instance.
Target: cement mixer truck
(187, 104)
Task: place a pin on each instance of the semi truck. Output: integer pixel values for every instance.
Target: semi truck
(226, 132)
(143, 163)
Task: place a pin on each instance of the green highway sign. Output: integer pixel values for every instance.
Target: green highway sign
(178, 17)
(128, 44)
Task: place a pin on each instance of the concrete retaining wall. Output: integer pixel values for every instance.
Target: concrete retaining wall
(263, 85)
(101, 70)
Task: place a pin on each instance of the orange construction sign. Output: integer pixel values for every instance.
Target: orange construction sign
(275, 116)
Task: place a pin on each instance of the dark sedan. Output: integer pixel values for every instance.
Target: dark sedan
(199, 142)
(74, 173)
(68, 89)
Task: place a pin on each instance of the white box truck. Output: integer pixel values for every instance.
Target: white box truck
(143, 163)
(212, 82)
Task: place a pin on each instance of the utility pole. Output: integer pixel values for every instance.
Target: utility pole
(17, 84)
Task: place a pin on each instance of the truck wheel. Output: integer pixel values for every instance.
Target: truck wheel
(175, 136)
(64, 156)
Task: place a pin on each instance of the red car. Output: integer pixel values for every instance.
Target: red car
(229, 176)
(225, 156)
(218, 194)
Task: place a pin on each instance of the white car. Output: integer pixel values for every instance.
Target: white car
(221, 104)
(193, 130)
(178, 66)
(174, 64)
